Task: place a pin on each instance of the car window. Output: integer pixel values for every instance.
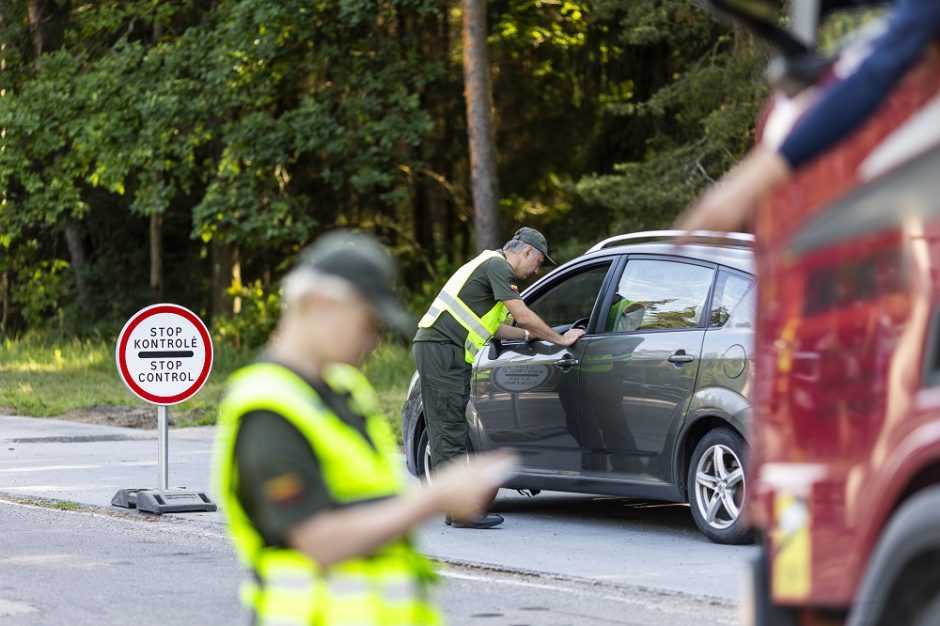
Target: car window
(730, 291)
(656, 295)
(572, 299)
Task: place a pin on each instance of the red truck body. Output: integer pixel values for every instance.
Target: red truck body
(847, 384)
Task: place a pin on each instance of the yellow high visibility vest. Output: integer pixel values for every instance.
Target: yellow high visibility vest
(389, 587)
(479, 329)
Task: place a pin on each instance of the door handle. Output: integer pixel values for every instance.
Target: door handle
(566, 362)
(680, 357)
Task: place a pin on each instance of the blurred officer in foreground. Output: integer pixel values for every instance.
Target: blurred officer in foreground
(306, 466)
(467, 313)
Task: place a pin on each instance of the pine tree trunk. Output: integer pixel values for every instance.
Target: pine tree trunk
(157, 284)
(226, 274)
(5, 277)
(236, 278)
(73, 233)
(479, 99)
(156, 257)
(75, 242)
(34, 12)
(221, 278)
(5, 303)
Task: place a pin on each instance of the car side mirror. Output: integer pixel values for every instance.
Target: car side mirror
(798, 65)
(759, 17)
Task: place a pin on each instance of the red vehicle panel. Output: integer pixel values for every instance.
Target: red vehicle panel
(848, 260)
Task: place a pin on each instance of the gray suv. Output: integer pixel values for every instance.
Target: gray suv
(650, 403)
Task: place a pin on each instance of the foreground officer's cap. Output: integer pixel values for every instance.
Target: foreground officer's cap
(535, 239)
(360, 260)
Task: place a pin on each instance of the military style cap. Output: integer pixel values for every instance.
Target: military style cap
(535, 239)
(362, 261)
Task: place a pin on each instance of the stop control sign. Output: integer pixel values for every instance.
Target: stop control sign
(164, 354)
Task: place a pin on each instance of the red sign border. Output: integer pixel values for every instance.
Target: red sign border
(125, 337)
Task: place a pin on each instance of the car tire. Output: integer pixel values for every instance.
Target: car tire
(717, 487)
(423, 457)
(930, 616)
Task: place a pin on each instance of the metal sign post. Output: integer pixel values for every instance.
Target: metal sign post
(164, 356)
(163, 454)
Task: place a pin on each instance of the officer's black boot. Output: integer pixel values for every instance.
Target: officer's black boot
(485, 520)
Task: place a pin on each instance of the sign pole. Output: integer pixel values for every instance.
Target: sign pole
(163, 461)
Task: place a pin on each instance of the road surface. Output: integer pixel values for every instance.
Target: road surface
(558, 559)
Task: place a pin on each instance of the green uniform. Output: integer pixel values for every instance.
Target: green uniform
(352, 459)
(441, 354)
(282, 479)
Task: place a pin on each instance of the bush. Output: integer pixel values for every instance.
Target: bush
(256, 319)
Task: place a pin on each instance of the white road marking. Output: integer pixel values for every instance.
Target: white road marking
(8, 608)
(39, 559)
(503, 581)
(626, 597)
(57, 468)
(48, 488)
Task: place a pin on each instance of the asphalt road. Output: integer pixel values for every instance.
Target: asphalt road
(83, 567)
(558, 559)
(65, 567)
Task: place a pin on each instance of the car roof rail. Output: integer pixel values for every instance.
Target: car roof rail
(700, 237)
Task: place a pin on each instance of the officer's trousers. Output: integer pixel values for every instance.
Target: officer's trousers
(445, 392)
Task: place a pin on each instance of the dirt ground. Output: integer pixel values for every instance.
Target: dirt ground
(110, 415)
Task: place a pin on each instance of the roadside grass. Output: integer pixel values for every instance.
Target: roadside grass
(60, 505)
(42, 377)
(46, 503)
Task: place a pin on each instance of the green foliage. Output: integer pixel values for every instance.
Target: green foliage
(39, 292)
(249, 127)
(257, 316)
(697, 113)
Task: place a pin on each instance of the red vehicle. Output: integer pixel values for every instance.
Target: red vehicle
(845, 465)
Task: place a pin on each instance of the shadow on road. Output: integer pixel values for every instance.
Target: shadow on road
(606, 511)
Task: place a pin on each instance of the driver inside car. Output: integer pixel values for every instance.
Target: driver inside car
(625, 315)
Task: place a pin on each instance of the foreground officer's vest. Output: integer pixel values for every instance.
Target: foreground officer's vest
(388, 587)
(479, 329)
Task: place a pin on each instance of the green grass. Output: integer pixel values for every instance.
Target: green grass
(40, 377)
(61, 505)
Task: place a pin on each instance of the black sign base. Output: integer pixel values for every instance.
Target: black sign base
(162, 501)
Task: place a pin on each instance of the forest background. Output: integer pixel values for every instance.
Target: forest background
(186, 150)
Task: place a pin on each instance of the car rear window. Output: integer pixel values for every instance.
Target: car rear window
(730, 292)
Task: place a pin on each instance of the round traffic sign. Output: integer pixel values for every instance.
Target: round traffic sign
(164, 354)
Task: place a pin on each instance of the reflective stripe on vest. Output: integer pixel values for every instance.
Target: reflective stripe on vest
(291, 588)
(479, 329)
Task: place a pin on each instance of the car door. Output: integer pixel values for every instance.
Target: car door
(525, 395)
(728, 351)
(638, 373)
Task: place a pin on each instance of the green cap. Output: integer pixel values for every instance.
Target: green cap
(535, 239)
(360, 260)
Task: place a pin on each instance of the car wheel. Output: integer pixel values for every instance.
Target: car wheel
(423, 456)
(716, 487)
(423, 460)
(930, 616)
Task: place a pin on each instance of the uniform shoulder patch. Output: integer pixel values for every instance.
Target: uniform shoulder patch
(283, 490)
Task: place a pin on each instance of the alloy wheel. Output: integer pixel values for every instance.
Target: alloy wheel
(719, 486)
(427, 463)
